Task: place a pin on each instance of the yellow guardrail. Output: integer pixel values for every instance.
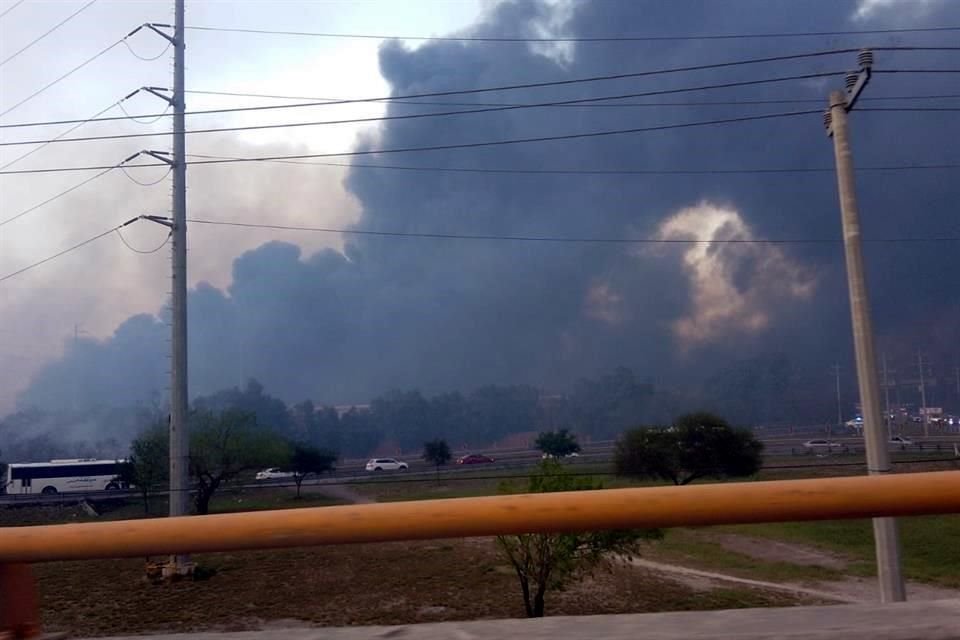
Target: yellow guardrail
(708, 504)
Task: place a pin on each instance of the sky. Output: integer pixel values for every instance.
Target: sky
(42, 310)
(338, 318)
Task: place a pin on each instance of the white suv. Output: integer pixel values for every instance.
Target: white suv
(386, 464)
(273, 473)
(820, 445)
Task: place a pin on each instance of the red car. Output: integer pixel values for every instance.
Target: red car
(474, 458)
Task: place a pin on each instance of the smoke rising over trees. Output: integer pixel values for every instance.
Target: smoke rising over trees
(747, 330)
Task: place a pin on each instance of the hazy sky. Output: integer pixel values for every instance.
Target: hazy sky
(338, 326)
(95, 289)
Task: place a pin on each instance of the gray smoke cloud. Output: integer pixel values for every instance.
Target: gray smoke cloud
(339, 326)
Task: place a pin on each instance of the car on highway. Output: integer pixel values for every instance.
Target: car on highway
(386, 464)
(474, 458)
(274, 473)
(820, 445)
(903, 441)
(548, 456)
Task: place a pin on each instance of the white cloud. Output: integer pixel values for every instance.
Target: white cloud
(735, 287)
(605, 304)
(868, 9)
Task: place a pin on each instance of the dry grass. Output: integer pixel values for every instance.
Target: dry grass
(350, 585)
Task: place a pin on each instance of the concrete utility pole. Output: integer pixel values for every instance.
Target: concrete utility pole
(923, 398)
(179, 438)
(885, 532)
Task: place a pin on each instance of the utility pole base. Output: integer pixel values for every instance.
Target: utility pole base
(19, 610)
(170, 571)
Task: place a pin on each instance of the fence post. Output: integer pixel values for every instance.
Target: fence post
(19, 609)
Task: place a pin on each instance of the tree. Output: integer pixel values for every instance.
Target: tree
(548, 561)
(270, 412)
(306, 460)
(698, 445)
(148, 466)
(605, 406)
(226, 444)
(401, 416)
(437, 453)
(557, 444)
(326, 432)
(448, 415)
(497, 411)
(360, 434)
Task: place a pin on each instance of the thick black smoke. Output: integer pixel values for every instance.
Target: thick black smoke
(445, 314)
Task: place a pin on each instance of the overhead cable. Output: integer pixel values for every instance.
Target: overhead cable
(67, 250)
(430, 114)
(580, 39)
(47, 32)
(562, 239)
(12, 7)
(60, 78)
(592, 172)
(461, 145)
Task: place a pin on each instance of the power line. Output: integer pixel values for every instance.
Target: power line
(105, 170)
(571, 39)
(322, 101)
(462, 145)
(319, 102)
(595, 172)
(57, 196)
(431, 114)
(47, 32)
(12, 7)
(556, 239)
(146, 58)
(59, 137)
(892, 71)
(68, 250)
(635, 74)
(139, 119)
(400, 99)
(412, 116)
(151, 183)
(59, 79)
(909, 109)
(314, 102)
(142, 251)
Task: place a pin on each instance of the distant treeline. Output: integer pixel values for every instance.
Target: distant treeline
(750, 392)
(403, 420)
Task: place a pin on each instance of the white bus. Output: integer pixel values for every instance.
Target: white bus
(64, 476)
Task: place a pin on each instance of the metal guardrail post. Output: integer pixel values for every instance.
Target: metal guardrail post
(19, 608)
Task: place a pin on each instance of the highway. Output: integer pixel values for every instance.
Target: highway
(507, 462)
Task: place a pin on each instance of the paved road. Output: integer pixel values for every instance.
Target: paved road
(507, 462)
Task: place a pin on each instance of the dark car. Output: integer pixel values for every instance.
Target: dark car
(474, 458)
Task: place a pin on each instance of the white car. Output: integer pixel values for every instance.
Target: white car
(386, 464)
(819, 445)
(274, 473)
(901, 440)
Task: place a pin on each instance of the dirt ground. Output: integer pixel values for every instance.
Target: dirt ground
(348, 585)
(776, 551)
